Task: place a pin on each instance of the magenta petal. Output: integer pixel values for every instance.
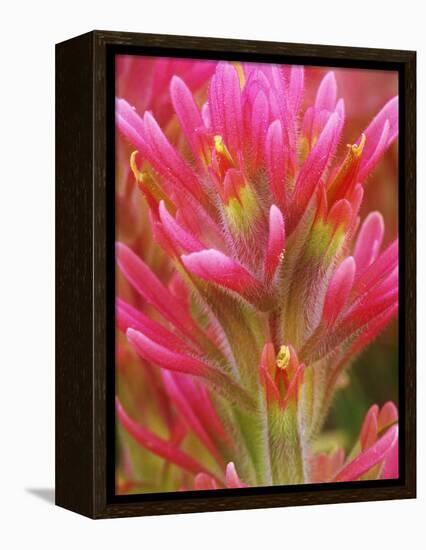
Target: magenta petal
(225, 106)
(167, 161)
(340, 214)
(292, 393)
(339, 290)
(129, 317)
(194, 217)
(231, 477)
(176, 233)
(381, 145)
(255, 112)
(373, 305)
(279, 98)
(149, 139)
(340, 112)
(381, 268)
(390, 468)
(202, 406)
(374, 133)
(368, 435)
(389, 283)
(205, 115)
(206, 411)
(276, 161)
(314, 166)
(164, 356)
(388, 415)
(388, 113)
(276, 242)
(196, 73)
(173, 360)
(327, 93)
(355, 198)
(187, 111)
(375, 327)
(295, 88)
(376, 301)
(279, 102)
(258, 126)
(308, 119)
(129, 114)
(151, 288)
(370, 457)
(213, 266)
(130, 124)
(158, 446)
(180, 391)
(369, 241)
(204, 482)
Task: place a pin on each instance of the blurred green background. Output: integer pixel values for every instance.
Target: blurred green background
(373, 378)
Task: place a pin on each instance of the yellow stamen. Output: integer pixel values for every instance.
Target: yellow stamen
(221, 148)
(146, 180)
(283, 357)
(136, 172)
(347, 171)
(356, 150)
(240, 72)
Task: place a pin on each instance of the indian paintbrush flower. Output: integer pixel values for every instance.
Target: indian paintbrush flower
(274, 285)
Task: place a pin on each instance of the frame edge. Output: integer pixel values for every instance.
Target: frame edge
(74, 384)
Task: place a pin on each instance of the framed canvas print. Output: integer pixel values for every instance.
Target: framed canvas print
(235, 240)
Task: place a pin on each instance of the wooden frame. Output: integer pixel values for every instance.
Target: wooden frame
(84, 267)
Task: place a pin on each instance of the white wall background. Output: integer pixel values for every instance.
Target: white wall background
(28, 33)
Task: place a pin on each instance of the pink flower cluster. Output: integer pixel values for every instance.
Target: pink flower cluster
(270, 286)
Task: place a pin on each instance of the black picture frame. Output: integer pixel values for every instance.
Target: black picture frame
(85, 280)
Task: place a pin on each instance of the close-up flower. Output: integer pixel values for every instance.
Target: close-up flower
(254, 269)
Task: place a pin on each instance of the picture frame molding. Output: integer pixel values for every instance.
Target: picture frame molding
(85, 269)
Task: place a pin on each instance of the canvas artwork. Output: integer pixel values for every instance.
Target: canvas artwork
(256, 226)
